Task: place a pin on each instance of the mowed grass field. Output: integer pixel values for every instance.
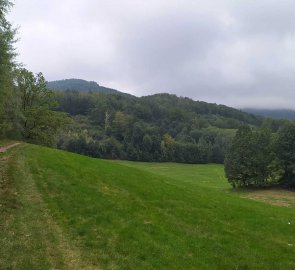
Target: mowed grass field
(60, 210)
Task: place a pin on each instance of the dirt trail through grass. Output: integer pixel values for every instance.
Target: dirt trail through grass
(5, 148)
(29, 236)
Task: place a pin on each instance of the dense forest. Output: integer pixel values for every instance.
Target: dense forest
(80, 85)
(160, 127)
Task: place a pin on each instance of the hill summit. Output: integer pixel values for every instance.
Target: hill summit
(80, 85)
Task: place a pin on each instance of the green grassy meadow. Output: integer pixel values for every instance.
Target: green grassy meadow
(60, 210)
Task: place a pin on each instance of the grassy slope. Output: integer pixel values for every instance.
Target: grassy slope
(85, 213)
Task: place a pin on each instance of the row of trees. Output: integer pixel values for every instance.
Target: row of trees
(26, 105)
(261, 158)
(145, 147)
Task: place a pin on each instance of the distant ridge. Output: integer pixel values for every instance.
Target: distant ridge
(273, 113)
(81, 86)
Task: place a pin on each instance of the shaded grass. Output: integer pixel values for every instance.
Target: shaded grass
(150, 216)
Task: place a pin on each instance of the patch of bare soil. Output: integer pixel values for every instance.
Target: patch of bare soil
(5, 148)
(277, 196)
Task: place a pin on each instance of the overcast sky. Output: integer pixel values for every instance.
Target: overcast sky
(238, 53)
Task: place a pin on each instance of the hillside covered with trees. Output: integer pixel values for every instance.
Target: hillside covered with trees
(80, 85)
(160, 127)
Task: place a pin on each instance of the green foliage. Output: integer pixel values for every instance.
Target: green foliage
(79, 85)
(250, 159)
(7, 55)
(260, 158)
(75, 103)
(40, 124)
(238, 158)
(201, 131)
(285, 151)
(43, 125)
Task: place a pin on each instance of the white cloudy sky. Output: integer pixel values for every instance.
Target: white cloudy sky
(240, 52)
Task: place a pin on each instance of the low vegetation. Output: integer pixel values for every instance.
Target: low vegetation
(96, 214)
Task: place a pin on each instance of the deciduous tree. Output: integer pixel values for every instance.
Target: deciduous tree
(40, 123)
(285, 151)
(7, 64)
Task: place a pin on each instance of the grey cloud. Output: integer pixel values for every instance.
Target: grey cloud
(240, 53)
(265, 17)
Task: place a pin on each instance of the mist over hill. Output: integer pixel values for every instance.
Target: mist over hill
(273, 113)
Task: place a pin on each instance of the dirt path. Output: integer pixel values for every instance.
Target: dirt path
(27, 223)
(5, 148)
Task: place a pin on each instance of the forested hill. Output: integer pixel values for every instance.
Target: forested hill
(184, 109)
(273, 113)
(80, 85)
(159, 127)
